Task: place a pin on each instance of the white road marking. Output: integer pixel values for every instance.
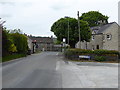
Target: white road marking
(57, 53)
(57, 65)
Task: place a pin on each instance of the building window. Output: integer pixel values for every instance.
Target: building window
(109, 36)
(93, 37)
(97, 47)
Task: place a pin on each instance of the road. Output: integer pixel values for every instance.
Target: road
(49, 70)
(35, 71)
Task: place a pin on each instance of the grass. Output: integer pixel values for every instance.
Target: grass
(115, 61)
(38, 52)
(11, 57)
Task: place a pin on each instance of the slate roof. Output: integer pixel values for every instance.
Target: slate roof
(42, 39)
(100, 29)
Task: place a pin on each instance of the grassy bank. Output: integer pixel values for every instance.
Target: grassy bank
(94, 61)
(11, 57)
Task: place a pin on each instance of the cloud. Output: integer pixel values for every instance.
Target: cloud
(62, 4)
(8, 3)
(37, 16)
(5, 15)
(59, 7)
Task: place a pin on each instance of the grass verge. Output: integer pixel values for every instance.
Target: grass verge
(38, 52)
(11, 57)
(115, 61)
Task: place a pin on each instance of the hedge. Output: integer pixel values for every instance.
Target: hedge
(71, 53)
(100, 58)
(84, 51)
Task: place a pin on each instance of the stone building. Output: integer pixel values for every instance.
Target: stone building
(30, 44)
(43, 43)
(103, 37)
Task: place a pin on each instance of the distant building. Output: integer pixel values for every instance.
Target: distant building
(43, 43)
(103, 37)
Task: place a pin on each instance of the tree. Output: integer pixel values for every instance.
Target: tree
(7, 43)
(19, 40)
(60, 29)
(94, 18)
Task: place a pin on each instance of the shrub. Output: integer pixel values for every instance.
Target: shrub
(100, 58)
(76, 52)
(20, 42)
(103, 52)
(7, 44)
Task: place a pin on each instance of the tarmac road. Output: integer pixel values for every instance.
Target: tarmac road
(35, 71)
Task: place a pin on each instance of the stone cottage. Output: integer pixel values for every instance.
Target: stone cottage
(103, 37)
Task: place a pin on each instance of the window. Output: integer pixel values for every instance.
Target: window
(97, 47)
(109, 36)
(93, 37)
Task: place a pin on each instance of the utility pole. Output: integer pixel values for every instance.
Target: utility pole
(79, 30)
(68, 31)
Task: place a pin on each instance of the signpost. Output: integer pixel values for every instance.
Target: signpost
(64, 42)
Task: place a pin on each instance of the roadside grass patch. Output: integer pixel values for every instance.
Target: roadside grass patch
(93, 61)
(13, 56)
(38, 52)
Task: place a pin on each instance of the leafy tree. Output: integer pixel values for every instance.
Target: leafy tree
(20, 41)
(12, 48)
(7, 43)
(94, 18)
(60, 29)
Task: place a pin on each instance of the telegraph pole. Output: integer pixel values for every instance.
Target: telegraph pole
(79, 29)
(68, 31)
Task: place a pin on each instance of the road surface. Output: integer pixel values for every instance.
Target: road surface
(35, 71)
(49, 70)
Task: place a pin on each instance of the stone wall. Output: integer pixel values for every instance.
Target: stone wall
(112, 43)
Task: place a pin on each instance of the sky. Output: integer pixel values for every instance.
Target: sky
(35, 17)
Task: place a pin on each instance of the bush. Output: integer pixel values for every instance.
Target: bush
(71, 53)
(7, 44)
(100, 58)
(103, 52)
(20, 42)
(84, 51)
(13, 42)
(74, 53)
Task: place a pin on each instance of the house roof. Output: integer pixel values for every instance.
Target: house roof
(100, 29)
(42, 39)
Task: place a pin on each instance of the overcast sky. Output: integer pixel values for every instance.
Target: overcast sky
(37, 16)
